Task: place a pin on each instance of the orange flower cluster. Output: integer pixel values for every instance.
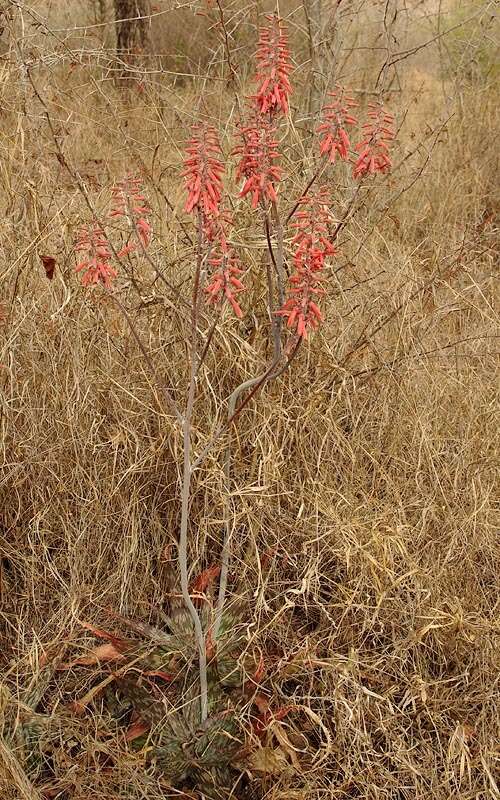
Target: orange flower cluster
(337, 117)
(259, 148)
(373, 150)
(259, 152)
(96, 266)
(313, 246)
(130, 202)
(224, 282)
(203, 171)
(273, 69)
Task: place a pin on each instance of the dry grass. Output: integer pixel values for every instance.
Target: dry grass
(370, 478)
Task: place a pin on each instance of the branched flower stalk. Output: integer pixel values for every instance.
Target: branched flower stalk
(294, 306)
(203, 172)
(260, 173)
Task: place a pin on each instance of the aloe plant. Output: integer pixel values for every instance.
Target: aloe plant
(29, 734)
(177, 742)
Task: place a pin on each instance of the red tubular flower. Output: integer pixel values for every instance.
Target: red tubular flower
(130, 202)
(373, 150)
(336, 119)
(203, 171)
(224, 282)
(273, 69)
(258, 154)
(313, 246)
(96, 267)
(215, 229)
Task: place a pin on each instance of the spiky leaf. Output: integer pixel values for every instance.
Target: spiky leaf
(170, 759)
(218, 742)
(216, 783)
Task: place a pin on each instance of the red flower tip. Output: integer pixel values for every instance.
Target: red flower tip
(273, 69)
(373, 150)
(337, 117)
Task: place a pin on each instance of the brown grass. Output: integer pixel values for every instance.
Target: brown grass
(371, 478)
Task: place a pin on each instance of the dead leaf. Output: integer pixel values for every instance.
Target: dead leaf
(469, 731)
(50, 793)
(158, 673)
(101, 634)
(210, 645)
(105, 652)
(297, 662)
(268, 557)
(288, 747)
(262, 703)
(283, 712)
(269, 761)
(148, 631)
(79, 706)
(267, 715)
(205, 579)
(49, 264)
(118, 437)
(5, 697)
(136, 729)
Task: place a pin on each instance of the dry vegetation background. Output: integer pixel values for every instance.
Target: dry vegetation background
(368, 471)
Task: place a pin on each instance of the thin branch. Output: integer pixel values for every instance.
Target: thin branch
(274, 320)
(185, 497)
(148, 360)
(309, 185)
(186, 483)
